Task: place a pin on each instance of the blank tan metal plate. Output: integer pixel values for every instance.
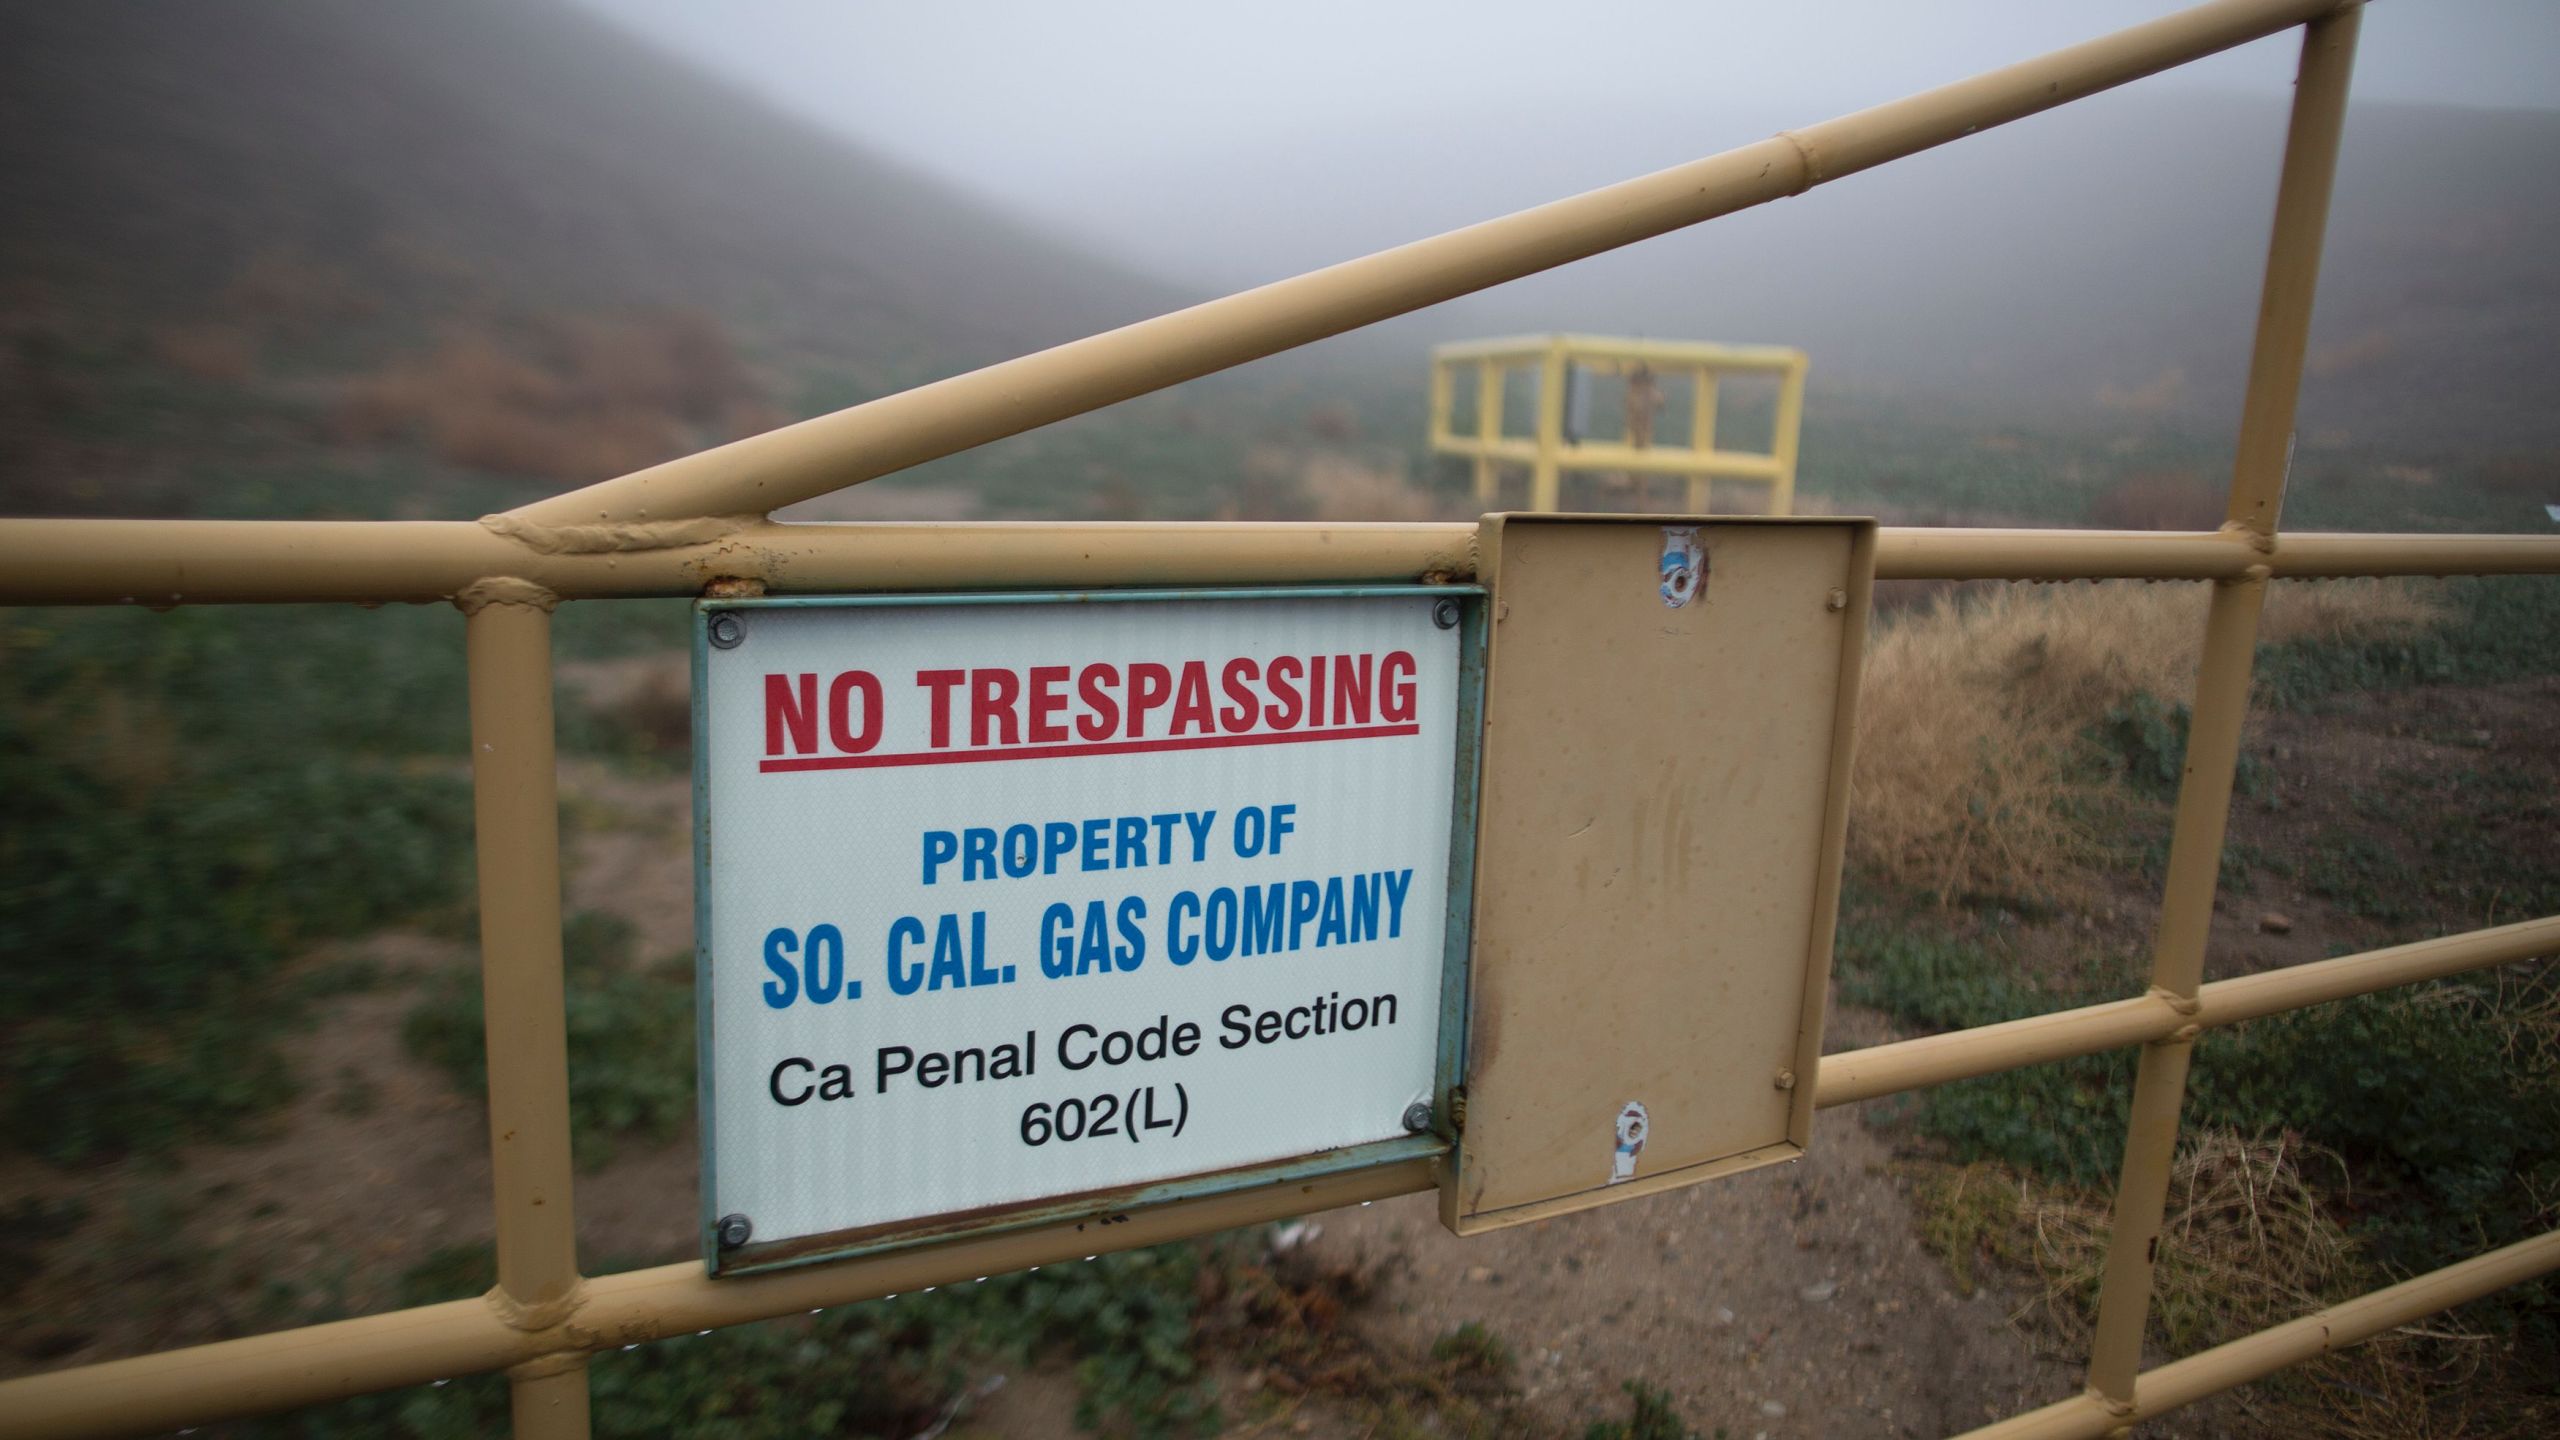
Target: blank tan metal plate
(1658, 853)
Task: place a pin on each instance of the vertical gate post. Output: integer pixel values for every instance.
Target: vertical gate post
(1489, 386)
(516, 811)
(2258, 476)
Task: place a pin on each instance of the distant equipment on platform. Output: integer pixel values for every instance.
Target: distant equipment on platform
(1662, 388)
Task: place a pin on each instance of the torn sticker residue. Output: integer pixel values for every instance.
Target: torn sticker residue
(1684, 564)
(1632, 1127)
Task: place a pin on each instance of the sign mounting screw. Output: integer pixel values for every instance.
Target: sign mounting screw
(1445, 614)
(728, 632)
(733, 1231)
(1417, 1116)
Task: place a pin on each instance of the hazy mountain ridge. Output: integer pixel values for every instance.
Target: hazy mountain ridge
(534, 250)
(2098, 261)
(524, 153)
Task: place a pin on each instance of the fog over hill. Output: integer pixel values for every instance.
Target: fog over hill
(492, 152)
(379, 180)
(2097, 261)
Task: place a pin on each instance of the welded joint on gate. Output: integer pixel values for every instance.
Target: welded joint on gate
(543, 1367)
(2262, 541)
(2257, 574)
(2122, 1407)
(542, 1315)
(1808, 160)
(2188, 1005)
(611, 538)
(491, 590)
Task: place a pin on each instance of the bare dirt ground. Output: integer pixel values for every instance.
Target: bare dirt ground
(1788, 1302)
(1794, 1301)
(212, 1240)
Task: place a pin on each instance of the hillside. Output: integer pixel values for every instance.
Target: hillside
(287, 199)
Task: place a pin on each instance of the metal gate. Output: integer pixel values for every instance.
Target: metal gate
(698, 525)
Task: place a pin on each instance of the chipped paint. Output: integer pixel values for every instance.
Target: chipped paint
(503, 590)
(536, 1316)
(1684, 565)
(607, 539)
(1633, 1126)
(1808, 160)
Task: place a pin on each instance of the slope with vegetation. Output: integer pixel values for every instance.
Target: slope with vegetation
(2398, 781)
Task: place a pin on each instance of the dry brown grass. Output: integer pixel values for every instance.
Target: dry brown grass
(1343, 487)
(2248, 1242)
(1971, 776)
(2525, 477)
(285, 291)
(2155, 396)
(2373, 347)
(569, 398)
(2159, 500)
(227, 354)
(1282, 481)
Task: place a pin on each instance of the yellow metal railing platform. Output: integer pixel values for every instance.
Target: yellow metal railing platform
(1652, 371)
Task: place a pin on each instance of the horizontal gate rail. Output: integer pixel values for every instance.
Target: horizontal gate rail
(233, 1378)
(2254, 1357)
(189, 562)
(1855, 1075)
(680, 528)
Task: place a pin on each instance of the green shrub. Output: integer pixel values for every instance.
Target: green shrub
(630, 1032)
(2443, 1099)
(2446, 852)
(885, 1368)
(1474, 1352)
(192, 797)
(2450, 1126)
(1650, 1416)
(2146, 738)
(2504, 627)
(2065, 1119)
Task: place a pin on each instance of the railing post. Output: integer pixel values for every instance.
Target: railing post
(2258, 479)
(1783, 438)
(1441, 378)
(1489, 386)
(1546, 477)
(515, 794)
(1702, 436)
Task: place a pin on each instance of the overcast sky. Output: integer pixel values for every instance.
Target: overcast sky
(1217, 144)
(1007, 93)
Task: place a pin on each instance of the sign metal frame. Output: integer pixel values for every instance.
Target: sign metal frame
(1106, 1205)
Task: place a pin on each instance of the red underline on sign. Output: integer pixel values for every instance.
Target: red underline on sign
(1108, 747)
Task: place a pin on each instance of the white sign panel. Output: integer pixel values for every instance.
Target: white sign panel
(1006, 902)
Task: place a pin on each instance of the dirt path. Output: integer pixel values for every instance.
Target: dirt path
(1791, 1301)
